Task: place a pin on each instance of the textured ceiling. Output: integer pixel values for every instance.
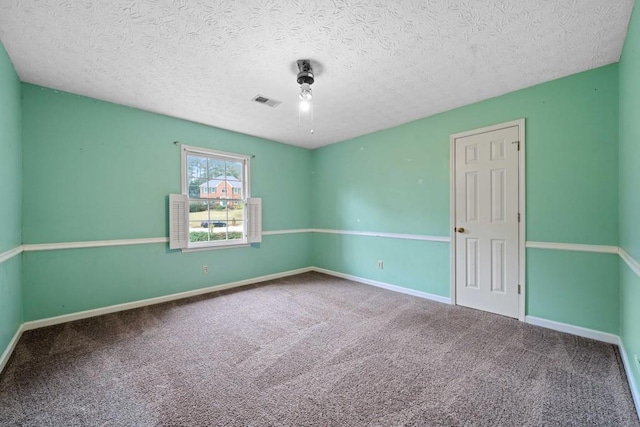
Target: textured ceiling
(383, 62)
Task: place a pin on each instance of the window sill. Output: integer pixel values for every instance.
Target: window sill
(213, 247)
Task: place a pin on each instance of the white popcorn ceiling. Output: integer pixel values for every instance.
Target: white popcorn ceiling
(384, 62)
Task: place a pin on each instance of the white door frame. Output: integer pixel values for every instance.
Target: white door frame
(521, 208)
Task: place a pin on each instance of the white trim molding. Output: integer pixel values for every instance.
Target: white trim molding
(574, 247)
(12, 345)
(384, 285)
(34, 324)
(635, 392)
(445, 239)
(632, 263)
(93, 244)
(154, 240)
(290, 231)
(574, 330)
(11, 253)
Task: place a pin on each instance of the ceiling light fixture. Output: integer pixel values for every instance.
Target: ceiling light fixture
(305, 79)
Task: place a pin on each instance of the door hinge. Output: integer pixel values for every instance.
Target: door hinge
(518, 216)
(518, 289)
(517, 142)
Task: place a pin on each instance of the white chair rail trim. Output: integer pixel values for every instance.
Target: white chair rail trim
(574, 247)
(4, 256)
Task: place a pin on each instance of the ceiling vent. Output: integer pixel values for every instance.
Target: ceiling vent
(266, 101)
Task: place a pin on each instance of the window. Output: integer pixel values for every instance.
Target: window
(215, 222)
(236, 190)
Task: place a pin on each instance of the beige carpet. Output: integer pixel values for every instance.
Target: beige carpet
(311, 350)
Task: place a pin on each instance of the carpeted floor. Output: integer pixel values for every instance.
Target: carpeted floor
(311, 350)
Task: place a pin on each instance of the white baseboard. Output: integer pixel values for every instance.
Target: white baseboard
(574, 330)
(383, 285)
(635, 393)
(9, 350)
(34, 324)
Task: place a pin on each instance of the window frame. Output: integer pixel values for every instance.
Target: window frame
(187, 150)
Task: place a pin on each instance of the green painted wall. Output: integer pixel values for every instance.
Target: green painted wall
(99, 171)
(11, 199)
(397, 180)
(630, 318)
(67, 281)
(10, 156)
(630, 139)
(11, 299)
(411, 264)
(578, 288)
(629, 190)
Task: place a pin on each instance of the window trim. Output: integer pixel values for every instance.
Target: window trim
(186, 150)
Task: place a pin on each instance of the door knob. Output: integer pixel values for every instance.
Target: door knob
(460, 230)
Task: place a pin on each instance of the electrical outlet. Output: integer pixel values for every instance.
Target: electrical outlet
(380, 264)
(205, 269)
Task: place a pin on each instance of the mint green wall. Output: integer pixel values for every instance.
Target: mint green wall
(630, 190)
(11, 299)
(10, 200)
(99, 171)
(10, 156)
(67, 281)
(578, 288)
(630, 139)
(397, 181)
(630, 318)
(411, 264)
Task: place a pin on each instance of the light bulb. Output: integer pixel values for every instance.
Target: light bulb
(306, 95)
(305, 105)
(305, 92)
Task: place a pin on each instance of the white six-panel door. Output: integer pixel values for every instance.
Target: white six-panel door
(486, 221)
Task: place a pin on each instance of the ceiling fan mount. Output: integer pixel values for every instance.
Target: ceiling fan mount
(305, 72)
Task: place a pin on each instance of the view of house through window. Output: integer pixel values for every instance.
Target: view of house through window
(216, 187)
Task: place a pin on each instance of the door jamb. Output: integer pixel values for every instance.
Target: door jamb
(521, 208)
